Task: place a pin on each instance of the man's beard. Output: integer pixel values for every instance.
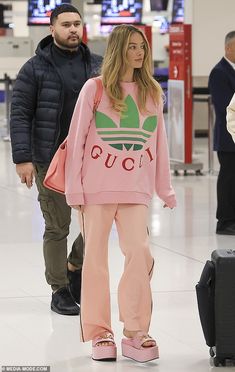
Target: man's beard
(67, 44)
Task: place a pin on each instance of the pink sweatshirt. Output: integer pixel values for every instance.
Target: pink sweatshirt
(116, 160)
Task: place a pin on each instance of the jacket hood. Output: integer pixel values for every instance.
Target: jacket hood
(44, 48)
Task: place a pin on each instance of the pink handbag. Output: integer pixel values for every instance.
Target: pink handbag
(55, 176)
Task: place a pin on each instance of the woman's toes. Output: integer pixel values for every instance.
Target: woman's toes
(149, 344)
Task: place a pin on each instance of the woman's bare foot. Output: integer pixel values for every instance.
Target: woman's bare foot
(142, 336)
(104, 336)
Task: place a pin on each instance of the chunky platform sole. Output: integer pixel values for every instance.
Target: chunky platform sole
(104, 353)
(142, 355)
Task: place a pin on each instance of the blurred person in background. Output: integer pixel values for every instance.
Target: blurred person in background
(44, 96)
(222, 88)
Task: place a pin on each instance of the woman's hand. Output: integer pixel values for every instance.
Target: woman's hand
(166, 206)
(80, 208)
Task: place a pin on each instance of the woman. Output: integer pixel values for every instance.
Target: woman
(115, 160)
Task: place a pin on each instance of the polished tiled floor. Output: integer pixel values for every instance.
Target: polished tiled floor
(181, 241)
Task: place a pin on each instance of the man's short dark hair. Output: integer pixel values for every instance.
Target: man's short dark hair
(63, 8)
(229, 37)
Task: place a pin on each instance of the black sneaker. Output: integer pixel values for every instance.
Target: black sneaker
(63, 303)
(75, 280)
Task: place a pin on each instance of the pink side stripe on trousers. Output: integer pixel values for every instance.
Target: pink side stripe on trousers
(134, 291)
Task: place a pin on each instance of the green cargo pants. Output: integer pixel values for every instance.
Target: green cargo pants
(57, 217)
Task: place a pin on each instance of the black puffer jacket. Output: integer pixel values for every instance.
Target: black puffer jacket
(37, 102)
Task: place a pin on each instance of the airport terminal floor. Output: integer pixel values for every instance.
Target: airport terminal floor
(181, 241)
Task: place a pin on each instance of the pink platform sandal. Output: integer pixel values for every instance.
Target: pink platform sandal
(104, 352)
(133, 348)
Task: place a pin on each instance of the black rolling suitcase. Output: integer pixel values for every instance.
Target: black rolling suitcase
(216, 304)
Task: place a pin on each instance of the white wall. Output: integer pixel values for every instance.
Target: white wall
(159, 41)
(212, 20)
(19, 18)
(36, 33)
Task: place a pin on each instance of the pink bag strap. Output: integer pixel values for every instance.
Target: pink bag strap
(63, 144)
(98, 93)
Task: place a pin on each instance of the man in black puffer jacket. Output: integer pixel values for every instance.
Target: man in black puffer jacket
(44, 96)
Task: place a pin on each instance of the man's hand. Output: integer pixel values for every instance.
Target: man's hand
(26, 173)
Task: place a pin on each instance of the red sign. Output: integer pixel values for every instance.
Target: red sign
(147, 30)
(180, 68)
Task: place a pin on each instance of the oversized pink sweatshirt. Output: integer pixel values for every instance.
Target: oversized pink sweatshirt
(113, 159)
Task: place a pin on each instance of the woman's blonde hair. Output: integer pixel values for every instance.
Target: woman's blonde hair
(115, 64)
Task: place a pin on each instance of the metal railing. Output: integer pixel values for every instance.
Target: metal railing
(8, 84)
(211, 121)
(208, 100)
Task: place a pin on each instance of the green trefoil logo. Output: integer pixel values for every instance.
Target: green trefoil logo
(128, 135)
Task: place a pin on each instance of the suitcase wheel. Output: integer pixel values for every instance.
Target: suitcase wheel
(219, 362)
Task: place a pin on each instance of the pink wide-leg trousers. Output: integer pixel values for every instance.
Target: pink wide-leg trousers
(134, 292)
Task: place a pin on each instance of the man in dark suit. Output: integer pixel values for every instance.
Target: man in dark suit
(222, 88)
